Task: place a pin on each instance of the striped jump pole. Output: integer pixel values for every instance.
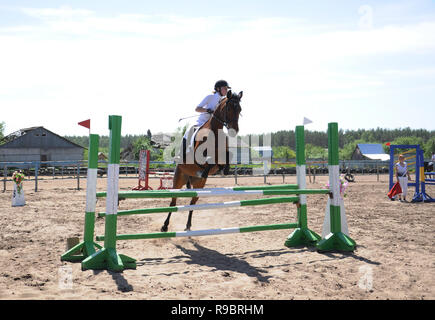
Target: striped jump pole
(87, 247)
(301, 235)
(204, 190)
(107, 257)
(196, 233)
(207, 206)
(336, 239)
(187, 193)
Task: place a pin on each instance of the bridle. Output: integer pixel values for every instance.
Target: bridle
(224, 122)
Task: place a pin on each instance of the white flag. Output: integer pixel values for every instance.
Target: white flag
(307, 121)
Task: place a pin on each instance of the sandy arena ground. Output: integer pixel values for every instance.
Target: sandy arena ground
(394, 258)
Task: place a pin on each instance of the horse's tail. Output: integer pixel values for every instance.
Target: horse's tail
(188, 184)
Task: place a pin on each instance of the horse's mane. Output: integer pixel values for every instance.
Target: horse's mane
(221, 103)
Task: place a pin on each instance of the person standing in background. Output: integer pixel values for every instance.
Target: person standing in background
(402, 176)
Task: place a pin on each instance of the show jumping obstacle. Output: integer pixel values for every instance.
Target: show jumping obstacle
(108, 258)
(421, 181)
(144, 173)
(87, 247)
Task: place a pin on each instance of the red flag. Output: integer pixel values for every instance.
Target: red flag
(86, 123)
(395, 190)
(388, 144)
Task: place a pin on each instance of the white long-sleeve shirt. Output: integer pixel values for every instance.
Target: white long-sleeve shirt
(210, 102)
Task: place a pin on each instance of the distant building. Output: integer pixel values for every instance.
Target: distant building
(38, 144)
(264, 152)
(370, 151)
(161, 140)
(102, 156)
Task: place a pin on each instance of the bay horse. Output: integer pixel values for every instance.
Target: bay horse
(195, 174)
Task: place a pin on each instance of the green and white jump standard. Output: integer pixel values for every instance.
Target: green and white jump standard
(336, 239)
(87, 247)
(107, 257)
(301, 235)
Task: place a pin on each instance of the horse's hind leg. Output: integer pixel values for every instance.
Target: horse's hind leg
(179, 180)
(197, 184)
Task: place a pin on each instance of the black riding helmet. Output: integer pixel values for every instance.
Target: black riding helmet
(221, 83)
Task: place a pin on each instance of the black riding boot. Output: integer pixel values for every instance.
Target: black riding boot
(184, 150)
(226, 169)
(205, 172)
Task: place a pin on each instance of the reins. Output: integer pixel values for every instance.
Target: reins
(222, 122)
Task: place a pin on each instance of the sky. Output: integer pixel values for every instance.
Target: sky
(363, 64)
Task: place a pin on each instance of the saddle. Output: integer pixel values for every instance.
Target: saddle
(188, 150)
(189, 145)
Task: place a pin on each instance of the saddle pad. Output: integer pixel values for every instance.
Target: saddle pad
(190, 136)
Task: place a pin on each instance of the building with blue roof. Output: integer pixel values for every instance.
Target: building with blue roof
(370, 151)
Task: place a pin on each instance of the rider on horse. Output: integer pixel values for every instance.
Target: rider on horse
(218, 111)
(206, 108)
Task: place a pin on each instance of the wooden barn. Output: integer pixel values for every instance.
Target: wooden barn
(38, 144)
(369, 151)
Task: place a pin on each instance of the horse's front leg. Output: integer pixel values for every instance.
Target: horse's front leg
(166, 223)
(197, 183)
(179, 180)
(189, 219)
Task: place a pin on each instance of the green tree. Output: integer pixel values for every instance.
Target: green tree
(315, 152)
(2, 129)
(142, 143)
(283, 152)
(405, 140)
(429, 147)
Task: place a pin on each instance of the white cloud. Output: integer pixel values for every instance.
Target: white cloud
(63, 12)
(418, 72)
(152, 67)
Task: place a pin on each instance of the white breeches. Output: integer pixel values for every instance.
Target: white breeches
(404, 185)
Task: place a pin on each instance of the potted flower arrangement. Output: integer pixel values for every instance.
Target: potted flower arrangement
(18, 178)
(18, 194)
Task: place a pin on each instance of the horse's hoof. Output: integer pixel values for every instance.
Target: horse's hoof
(164, 229)
(187, 229)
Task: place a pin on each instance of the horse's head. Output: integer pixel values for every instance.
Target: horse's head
(229, 110)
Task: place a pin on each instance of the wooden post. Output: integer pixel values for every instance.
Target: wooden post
(377, 170)
(36, 176)
(265, 169)
(309, 173)
(5, 175)
(78, 175)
